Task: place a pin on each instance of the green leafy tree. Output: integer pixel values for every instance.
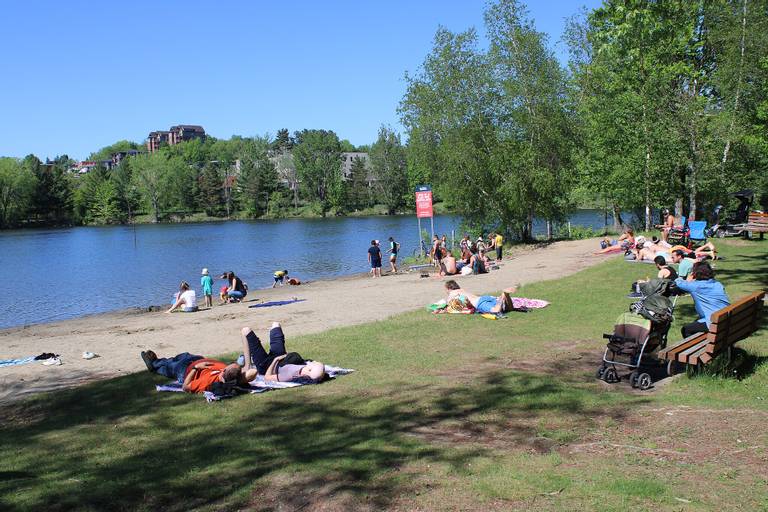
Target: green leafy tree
(389, 168)
(52, 201)
(150, 175)
(317, 156)
(106, 152)
(257, 180)
(17, 186)
(283, 141)
(358, 192)
(211, 189)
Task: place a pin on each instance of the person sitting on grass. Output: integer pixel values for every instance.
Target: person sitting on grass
(196, 374)
(185, 299)
(708, 296)
(665, 271)
(624, 243)
(482, 303)
(277, 365)
(684, 262)
(448, 265)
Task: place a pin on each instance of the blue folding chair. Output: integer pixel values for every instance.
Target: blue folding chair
(697, 233)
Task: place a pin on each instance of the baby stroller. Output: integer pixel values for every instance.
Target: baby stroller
(636, 334)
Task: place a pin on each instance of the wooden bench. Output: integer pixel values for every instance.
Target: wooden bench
(757, 223)
(729, 325)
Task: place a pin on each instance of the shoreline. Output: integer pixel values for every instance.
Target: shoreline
(117, 337)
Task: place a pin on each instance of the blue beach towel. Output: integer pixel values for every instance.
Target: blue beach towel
(276, 303)
(16, 362)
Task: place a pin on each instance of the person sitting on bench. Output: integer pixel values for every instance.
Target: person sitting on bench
(277, 365)
(708, 296)
(195, 373)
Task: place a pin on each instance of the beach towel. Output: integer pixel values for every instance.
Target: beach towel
(16, 362)
(525, 303)
(276, 303)
(258, 385)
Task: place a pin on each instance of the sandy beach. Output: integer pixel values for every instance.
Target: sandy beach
(117, 338)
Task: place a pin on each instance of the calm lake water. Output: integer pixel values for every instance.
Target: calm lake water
(53, 274)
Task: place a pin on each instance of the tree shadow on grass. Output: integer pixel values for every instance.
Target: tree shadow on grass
(747, 269)
(118, 445)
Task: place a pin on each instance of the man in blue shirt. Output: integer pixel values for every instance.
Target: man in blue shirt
(708, 296)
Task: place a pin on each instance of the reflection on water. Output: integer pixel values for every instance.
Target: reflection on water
(62, 273)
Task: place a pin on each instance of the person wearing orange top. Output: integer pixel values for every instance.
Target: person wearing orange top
(196, 373)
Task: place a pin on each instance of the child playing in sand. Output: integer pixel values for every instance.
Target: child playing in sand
(206, 281)
(279, 276)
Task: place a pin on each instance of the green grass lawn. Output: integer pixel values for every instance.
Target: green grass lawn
(446, 412)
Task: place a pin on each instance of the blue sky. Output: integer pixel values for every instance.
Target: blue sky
(79, 75)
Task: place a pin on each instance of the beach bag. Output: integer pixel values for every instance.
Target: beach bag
(656, 305)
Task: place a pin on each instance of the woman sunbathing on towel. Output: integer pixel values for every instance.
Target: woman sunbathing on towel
(482, 303)
(277, 365)
(624, 242)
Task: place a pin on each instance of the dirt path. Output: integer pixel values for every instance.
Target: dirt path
(118, 338)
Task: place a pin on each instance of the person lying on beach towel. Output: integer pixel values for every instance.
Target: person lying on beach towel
(277, 365)
(195, 373)
(481, 303)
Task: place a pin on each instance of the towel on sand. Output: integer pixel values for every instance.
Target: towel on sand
(258, 385)
(276, 303)
(16, 362)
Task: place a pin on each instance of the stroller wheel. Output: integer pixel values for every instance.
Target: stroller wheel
(673, 367)
(611, 376)
(644, 381)
(600, 372)
(633, 379)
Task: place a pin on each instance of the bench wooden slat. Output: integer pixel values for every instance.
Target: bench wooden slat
(705, 358)
(671, 351)
(683, 356)
(740, 305)
(725, 336)
(697, 356)
(738, 317)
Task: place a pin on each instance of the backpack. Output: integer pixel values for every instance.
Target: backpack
(655, 305)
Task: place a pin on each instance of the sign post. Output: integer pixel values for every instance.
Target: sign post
(424, 208)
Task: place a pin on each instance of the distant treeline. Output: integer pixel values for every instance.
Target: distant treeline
(240, 177)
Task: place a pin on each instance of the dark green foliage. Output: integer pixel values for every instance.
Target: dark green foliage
(211, 190)
(358, 192)
(389, 170)
(317, 156)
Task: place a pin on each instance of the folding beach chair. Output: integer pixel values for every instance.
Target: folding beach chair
(697, 234)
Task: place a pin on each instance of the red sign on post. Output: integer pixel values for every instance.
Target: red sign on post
(423, 202)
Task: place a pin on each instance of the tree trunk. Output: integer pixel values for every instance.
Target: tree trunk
(647, 173)
(727, 147)
(549, 230)
(618, 222)
(678, 207)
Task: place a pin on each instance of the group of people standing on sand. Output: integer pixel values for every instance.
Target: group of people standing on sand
(375, 256)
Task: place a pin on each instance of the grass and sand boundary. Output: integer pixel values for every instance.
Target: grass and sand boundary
(445, 412)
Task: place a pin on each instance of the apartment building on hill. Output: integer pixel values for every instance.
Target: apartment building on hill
(173, 136)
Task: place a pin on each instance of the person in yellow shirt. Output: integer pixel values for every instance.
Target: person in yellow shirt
(498, 243)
